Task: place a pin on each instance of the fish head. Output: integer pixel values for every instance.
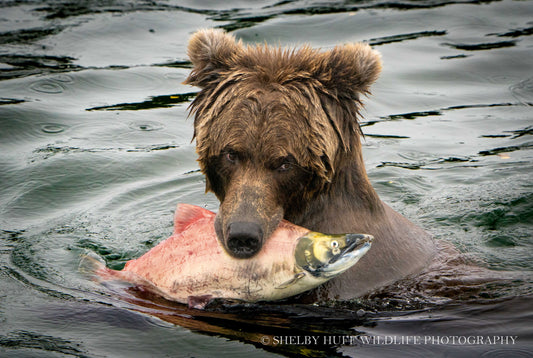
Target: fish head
(326, 256)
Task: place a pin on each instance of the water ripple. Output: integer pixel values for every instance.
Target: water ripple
(53, 128)
(164, 101)
(10, 101)
(506, 352)
(63, 78)
(523, 91)
(51, 150)
(28, 65)
(146, 126)
(39, 342)
(404, 37)
(482, 46)
(47, 86)
(516, 32)
(437, 112)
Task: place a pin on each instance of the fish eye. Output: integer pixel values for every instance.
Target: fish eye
(335, 250)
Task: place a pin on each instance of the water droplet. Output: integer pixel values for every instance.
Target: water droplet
(49, 87)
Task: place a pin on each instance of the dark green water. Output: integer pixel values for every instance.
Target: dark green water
(95, 153)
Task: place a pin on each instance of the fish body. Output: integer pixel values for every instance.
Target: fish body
(192, 266)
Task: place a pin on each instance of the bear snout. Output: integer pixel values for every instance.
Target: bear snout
(245, 239)
(247, 217)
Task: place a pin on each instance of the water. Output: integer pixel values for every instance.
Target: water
(95, 153)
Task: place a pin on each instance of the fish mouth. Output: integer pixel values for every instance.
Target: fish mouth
(357, 245)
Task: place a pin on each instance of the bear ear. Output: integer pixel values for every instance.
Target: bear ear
(210, 51)
(347, 71)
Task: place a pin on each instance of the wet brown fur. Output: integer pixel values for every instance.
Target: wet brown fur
(264, 109)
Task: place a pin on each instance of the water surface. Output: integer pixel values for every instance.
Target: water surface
(95, 153)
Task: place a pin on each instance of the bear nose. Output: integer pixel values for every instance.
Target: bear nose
(244, 239)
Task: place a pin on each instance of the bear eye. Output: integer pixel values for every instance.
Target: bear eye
(284, 167)
(285, 164)
(231, 157)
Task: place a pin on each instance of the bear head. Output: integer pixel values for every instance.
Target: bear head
(272, 126)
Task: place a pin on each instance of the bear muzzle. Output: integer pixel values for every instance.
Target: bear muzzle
(245, 239)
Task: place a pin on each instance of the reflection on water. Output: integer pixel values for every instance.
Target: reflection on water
(153, 102)
(96, 152)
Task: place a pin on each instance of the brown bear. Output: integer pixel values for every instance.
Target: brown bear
(278, 137)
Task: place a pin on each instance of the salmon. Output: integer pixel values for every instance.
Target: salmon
(191, 266)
